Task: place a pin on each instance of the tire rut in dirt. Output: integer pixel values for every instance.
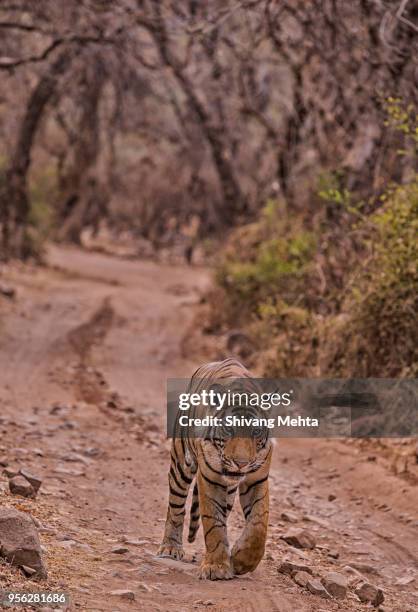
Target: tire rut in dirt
(94, 331)
(90, 385)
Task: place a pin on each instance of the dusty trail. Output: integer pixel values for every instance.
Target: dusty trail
(84, 355)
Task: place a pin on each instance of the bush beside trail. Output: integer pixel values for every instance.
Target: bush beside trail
(326, 302)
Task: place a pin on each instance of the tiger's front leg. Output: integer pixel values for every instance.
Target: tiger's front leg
(179, 480)
(213, 501)
(254, 498)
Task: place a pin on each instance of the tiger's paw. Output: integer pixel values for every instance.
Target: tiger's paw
(245, 559)
(171, 551)
(215, 571)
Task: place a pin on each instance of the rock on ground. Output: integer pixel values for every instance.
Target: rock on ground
(368, 593)
(288, 567)
(404, 580)
(301, 578)
(7, 291)
(315, 587)
(123, 594)
(335, 584)
(19, 541)
(28, 571)
(119, 550)
(18, 485)
(300, 538)
(10, 472)
(290, 517)
(34, 480)
(364, 568)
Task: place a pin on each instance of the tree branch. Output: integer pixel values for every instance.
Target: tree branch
(399, 15)
(10, 63)
(12, 25)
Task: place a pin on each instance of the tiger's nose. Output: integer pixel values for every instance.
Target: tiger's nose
(241, 462)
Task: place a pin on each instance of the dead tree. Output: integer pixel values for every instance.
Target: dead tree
(235, 202)
(14, 202)
(82, 196)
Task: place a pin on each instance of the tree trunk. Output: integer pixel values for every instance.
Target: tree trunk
(235, 201)
(14, 201)
(82, 198)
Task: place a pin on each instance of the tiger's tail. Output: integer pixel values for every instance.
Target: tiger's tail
(194, 515)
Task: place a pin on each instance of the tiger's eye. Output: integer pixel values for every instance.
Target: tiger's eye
(228, 431)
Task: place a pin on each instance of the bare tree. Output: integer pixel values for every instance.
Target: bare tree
(14, 203)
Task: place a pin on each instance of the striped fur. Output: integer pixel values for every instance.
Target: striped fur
(219, 469)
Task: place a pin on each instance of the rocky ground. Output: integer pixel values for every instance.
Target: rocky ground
(86, 345)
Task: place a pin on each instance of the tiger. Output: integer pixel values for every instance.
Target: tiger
(219, 464)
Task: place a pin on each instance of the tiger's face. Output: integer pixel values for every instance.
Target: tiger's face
(239, 454)
(234, 456)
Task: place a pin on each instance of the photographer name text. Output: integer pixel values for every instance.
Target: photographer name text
(242, 421)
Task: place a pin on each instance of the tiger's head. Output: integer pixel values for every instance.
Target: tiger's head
(235, 456)
(230, 450)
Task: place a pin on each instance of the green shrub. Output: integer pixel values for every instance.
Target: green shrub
(267, 276)
(381, 338)
(268, 260)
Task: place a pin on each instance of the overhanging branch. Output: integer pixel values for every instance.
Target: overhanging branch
(10, 63)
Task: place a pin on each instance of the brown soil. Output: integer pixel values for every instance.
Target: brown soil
(85, 352)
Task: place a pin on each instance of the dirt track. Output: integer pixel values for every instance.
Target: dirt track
(85, 352)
